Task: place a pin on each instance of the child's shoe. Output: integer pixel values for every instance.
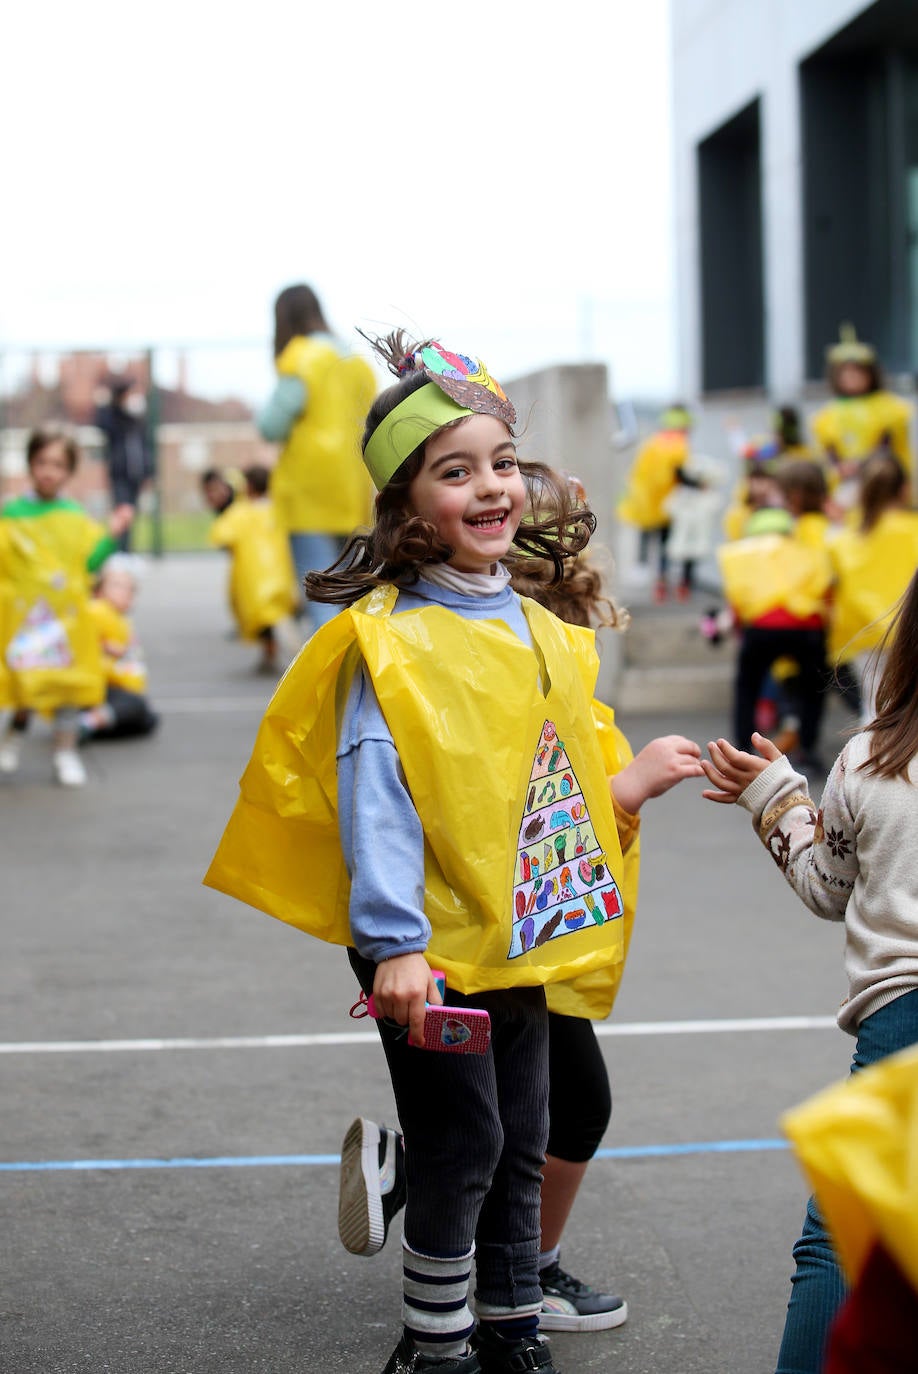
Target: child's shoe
(499, 1356)
(569, 1305)
(68, 768)
(684, 591)
(406, 1359)
(371, 1186)
(9, 752)
(660, 591)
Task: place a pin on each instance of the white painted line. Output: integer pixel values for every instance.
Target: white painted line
(363, 1037)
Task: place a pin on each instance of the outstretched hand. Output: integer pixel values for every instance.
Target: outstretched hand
(731, 770)
(120, 520)
(660, 765)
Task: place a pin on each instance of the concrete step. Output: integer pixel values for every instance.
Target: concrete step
(672, 687)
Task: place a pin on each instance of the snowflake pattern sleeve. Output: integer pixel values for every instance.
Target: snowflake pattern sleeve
(815, 850)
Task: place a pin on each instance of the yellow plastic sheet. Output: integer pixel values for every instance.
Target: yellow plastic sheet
(49, 643)
(262, 580)
(872, 571)
(766, 571)
(593, 994)
(651, 479)
(858, 1145)
(523, 867)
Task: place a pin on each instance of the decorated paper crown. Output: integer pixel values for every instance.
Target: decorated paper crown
(850, 349)
(457, 385)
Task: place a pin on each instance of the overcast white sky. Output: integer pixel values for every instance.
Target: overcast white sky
(497, 175)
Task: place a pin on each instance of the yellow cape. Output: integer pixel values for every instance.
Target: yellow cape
(858, 1145)
(523, 866)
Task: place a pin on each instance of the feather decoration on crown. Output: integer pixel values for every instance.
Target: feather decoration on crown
(466, 381)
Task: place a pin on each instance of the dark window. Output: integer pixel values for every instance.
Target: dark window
(730, 206)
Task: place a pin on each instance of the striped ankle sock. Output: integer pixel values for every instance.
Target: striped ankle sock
(436, 1310)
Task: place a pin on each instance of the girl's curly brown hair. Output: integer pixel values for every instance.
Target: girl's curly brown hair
(400, 543)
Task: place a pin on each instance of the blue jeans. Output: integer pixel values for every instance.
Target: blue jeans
(818, 1286)
(315, 553)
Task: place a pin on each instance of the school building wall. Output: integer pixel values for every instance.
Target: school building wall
(796, 188)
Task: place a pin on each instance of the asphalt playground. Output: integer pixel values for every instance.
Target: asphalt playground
(177, 1070)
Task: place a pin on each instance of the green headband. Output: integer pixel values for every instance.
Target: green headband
(406, 427)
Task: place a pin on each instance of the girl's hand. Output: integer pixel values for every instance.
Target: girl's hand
(659, 766)
(120, 520)
(401, 988)
(732, 770)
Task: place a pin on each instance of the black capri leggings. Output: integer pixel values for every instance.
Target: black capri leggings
(579, 1094)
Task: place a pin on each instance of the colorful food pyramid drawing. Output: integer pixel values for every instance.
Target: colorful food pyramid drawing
(40, 642)
(561, 881)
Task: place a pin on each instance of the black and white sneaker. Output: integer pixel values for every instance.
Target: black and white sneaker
(569, 1305)
(371, 1188)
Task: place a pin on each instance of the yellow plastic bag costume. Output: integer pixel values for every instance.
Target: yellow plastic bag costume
(652, 478)
(125, 667)
(523, 867)
(320, 484)
(49, 644)
(763, 572)
(853, 427)
(858, 1145)
(593, 994)
(872, 571)
(262, 580)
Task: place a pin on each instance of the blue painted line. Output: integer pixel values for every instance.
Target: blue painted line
(310, 1161)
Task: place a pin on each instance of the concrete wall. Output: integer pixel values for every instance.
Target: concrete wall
(565, 420)
(726, 53)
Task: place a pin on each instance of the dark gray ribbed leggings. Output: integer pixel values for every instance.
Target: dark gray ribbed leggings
(475, 1129)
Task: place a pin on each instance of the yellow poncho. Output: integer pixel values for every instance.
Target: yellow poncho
(872, 571)
(854, 427)
(765, 572)
(125, 667)
(523, 867)
(49, 644)
(652, 478)
(262, 581)
(320, 484)
(858, 1144)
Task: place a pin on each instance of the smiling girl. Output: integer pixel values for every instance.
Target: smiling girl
(427, 788)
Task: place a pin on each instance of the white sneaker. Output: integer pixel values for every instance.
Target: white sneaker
(9, 753)
(68, 768)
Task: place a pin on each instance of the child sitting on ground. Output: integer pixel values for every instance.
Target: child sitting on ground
(125, 710)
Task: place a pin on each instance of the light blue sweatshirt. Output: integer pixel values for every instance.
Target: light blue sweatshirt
(381, 835)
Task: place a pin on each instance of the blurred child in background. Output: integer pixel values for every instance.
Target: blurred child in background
(220, 489)
(125, 710)
(49, 548)
(777, 588)
(660, 465)
(872, 563)
(862, 417)
(262, 581)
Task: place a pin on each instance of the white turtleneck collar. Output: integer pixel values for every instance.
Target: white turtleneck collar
(465, 583)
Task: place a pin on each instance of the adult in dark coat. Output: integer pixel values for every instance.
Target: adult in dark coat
(128, 453)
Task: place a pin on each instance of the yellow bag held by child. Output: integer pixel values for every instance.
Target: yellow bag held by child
(523, 868)
(858, 1144)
